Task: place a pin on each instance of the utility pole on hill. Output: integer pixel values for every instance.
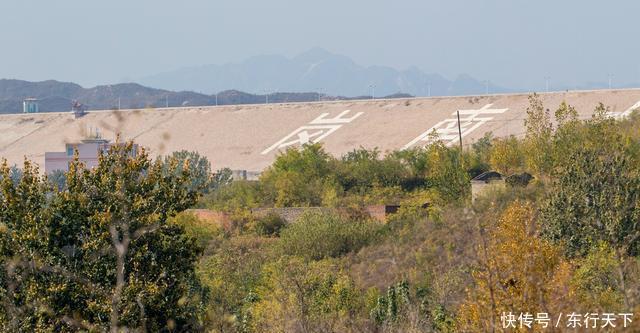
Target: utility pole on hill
(546, 82)
(610, 79)
(459, 129)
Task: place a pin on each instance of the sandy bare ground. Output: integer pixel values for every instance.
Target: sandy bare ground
(249, 137)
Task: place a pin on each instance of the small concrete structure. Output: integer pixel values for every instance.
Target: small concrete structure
(30, 105)
(485, 181)
(381, 212)
(245, 175)
(88, 152)
(78, 109)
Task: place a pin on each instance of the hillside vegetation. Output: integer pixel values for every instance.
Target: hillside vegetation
(112, 248)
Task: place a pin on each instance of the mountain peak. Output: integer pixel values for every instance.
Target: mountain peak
(313, 70)
(313, 55)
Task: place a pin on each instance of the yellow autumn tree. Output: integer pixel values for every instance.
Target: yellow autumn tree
(539, 131)
(302, 296)
(517, 272)
(506, 155)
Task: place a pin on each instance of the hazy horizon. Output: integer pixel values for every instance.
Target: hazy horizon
(513, 44)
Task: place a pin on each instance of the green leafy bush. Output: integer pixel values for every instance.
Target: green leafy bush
(204, 232)
(269, 225)
(320, 235)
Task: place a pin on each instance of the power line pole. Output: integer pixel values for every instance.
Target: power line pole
(610, 79)
(459, 129)
(546, 81)
(166, 100)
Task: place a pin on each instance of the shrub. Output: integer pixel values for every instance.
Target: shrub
(320, 235)
(58, 179)
(298, 177)
(198, 166)
(203, 231)
(269, 225)
(238, 195)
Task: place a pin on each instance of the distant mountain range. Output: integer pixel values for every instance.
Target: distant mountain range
(310, 76)
(54, 96)
(316, 70)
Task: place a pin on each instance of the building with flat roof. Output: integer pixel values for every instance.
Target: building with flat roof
(88, 153)
(30, 105)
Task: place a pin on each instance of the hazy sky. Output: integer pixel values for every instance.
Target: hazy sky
(514, 43)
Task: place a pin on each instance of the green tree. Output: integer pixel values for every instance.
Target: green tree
(269, 225)
(506, 155)
(539, 131)
(594, 197)
(15, 174)
(299, 177)
(199, 168)
(221, 178)
(236, 196)
(361, 170)
(301, 296)
(99, 255)
(565, 114)
(595, 282)
(58, 179)
(415, 161)
(233, 273)
(447, 171)
(406, 309)
(480, 155)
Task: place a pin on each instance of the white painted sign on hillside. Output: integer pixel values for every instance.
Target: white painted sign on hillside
(622, 115)
(447, 130)
(314, 131)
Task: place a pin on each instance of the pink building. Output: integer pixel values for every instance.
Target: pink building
(88, 151)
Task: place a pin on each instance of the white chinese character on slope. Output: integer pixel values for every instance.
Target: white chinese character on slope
(624, 114)
(336, 120)
(447, 130)
(314, 132)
